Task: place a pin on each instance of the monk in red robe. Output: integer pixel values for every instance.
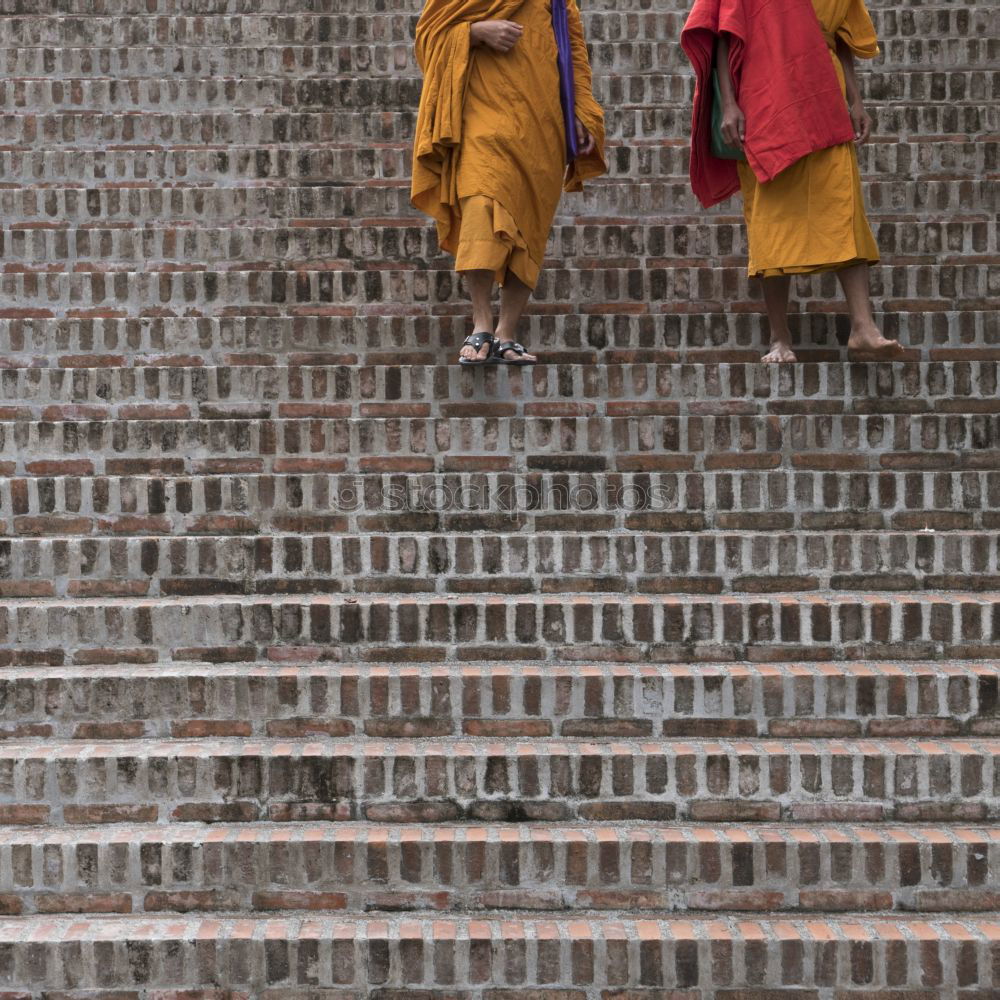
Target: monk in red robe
(791, 103)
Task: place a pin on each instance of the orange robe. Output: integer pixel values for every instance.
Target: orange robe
(811, 217)
(489, 161)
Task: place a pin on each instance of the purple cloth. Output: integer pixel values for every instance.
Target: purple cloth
(567, 86)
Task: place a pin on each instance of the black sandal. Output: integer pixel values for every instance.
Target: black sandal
(477, 341)
(499, 350)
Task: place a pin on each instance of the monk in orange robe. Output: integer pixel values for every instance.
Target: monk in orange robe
(811, 216)
(490, 152)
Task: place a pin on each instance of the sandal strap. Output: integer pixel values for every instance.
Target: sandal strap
(476, 340)
(509, 345)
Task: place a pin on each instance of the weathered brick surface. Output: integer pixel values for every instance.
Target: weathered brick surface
(645, 443)
(297, 699)
(554, 562)
(330, 671)
(434, 780)
(578, 627)
(214, 393)
(331, 866)
(63, 497)
(707, 335)
(790, 958)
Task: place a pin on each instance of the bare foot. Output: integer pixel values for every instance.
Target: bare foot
(867, 343)
(781, 351)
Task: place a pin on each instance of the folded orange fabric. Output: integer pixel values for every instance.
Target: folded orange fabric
(785, 84)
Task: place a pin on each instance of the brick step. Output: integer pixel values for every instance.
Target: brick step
(618, 201)
(295, 61)
(94, 128)
(291, 58)
(654, 443)
(603, 957)
(575, 627)
(431, 781)
(211, 393)
(709, 336)
(294, 698)
(246, 868)
(160, 8)
(967, 283)
(594, 244)
(191, 93)
(64, 498)
(486, 563)
(55, 31)
(668, 159)
(903, 20)
(271, 204)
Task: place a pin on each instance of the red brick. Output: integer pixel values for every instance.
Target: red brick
(192, 900)
(18, 815)
(44, 525)
(201, 728)
(110, 814)
(60, 467)
(299, 900)
(83, 902)
(844, 899)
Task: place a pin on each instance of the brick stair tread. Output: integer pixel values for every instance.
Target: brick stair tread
(964, 52)
(262, 93)
(347, 288)
(812, 350)
(220, 500)
(572, 266)
(600, 245)
(623, 230)
(938, 442)
(326, 831)
(776, 672)
(654, 561)
(488, 779)
(145, 696)
(710, 337)
(896, 598)
(297, 62)
(135, 28)
(292, 958)
(85, 129)
(321, 291)
(359, 867)
(482, 627)
(23, 750)
(613, 238)
(548, 389)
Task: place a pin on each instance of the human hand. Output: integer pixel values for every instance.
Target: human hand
(734, 125)
(584, 140)
(501, 36)
(862, 123)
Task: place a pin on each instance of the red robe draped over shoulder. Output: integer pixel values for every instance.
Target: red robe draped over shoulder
(785, 84)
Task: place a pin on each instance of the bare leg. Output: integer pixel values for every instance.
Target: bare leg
(776, 291)
(480, 286)
(865, 335)
(513, 299)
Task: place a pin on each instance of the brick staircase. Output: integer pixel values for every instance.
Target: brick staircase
(329, 671)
